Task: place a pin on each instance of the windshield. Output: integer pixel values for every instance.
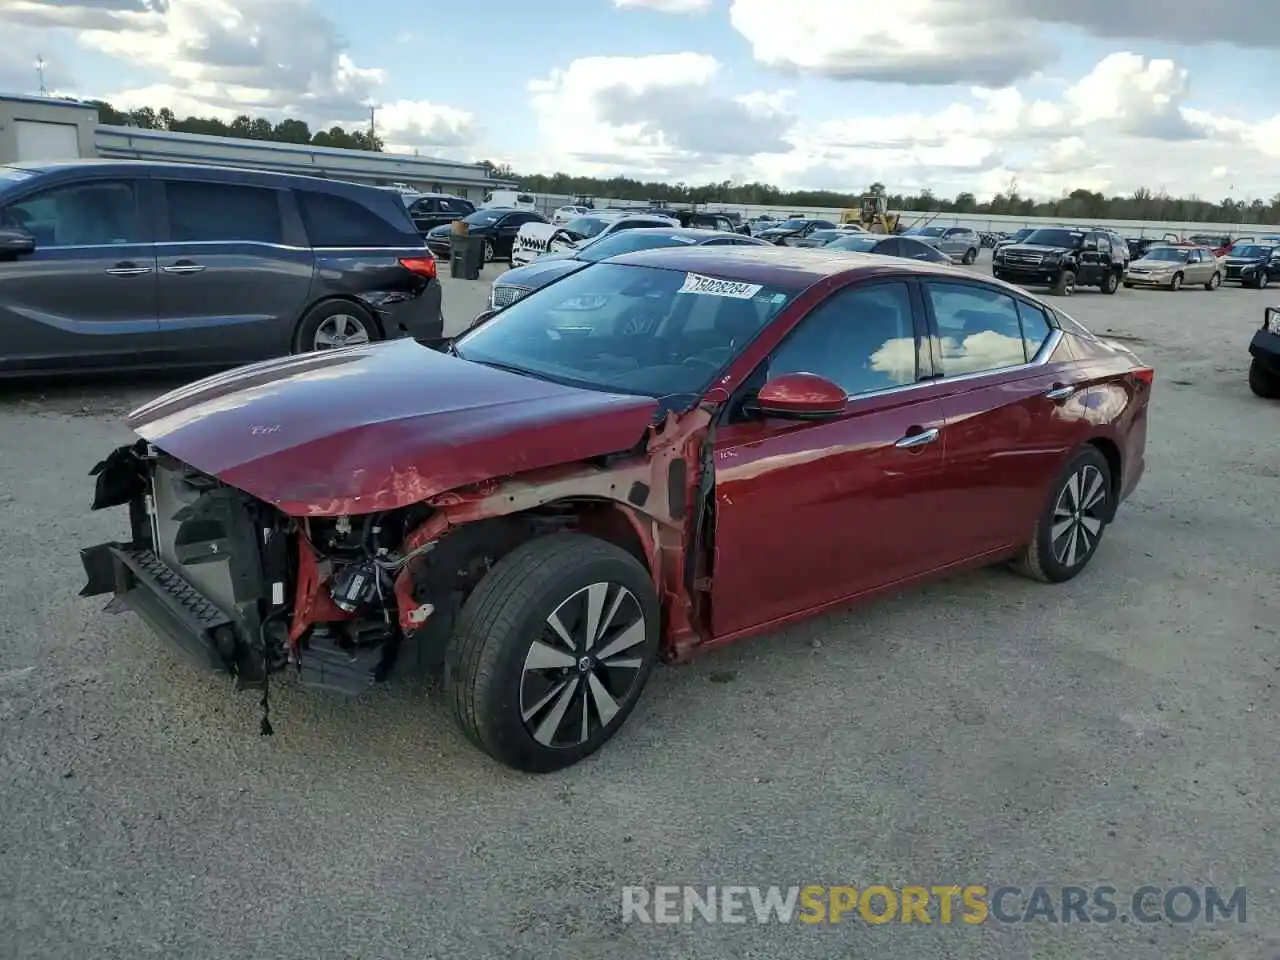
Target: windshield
(853, 243)
(1252, 251)
(1056, 237)
(628, 241)
(626, 329)
(586, 226)
(1023, 233)
(790, 225)
(484, 218)
(926, 231)
(1171, 254)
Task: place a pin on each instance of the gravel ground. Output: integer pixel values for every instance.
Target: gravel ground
(986, 730)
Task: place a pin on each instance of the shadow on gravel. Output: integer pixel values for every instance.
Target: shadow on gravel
(93, 395)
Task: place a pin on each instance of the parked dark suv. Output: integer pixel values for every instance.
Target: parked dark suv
(127, 265)
(1063, 258)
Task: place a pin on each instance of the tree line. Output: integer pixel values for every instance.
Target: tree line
(1142, 204)
(243, 127)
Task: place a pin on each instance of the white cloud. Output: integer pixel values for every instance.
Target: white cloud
(665, 6)
(991, 42)
(658, 114)
(1112, 130)
(272, 58)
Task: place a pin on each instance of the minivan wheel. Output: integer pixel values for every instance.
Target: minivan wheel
(552, 650)
(1072, 522)
(336, 324)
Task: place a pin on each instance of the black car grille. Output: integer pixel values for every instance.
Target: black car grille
(1017, 259)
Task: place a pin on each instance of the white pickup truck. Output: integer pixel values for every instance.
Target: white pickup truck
(535, 239)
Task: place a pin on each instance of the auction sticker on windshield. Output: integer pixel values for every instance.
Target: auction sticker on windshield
(697, 283)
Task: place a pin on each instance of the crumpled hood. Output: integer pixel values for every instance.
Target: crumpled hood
(381, 426)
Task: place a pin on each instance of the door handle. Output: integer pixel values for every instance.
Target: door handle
(913, 440)
(183, 266)
(1060, 393)
(127, 270)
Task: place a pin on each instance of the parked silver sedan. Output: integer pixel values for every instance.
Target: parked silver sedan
(958, 243)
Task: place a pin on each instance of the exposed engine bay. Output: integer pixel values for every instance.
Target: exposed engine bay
(254, 591)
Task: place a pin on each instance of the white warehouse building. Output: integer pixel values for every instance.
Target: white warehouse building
(45, 128)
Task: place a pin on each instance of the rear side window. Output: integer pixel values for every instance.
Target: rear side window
(334, 221)
(1035, 328)
(209, 212)
(980, 328)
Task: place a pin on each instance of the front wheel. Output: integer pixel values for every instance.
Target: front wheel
(1110, 282)
(489, 253)
(1263, 382)
(1176, 283)
(970, 256)
(1065, 285)
(552, 650)
(1263, 281)
(1073, 521)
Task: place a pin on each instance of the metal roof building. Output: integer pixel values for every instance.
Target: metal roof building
(45, 128)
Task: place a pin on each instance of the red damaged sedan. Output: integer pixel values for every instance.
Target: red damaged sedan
(655, 455)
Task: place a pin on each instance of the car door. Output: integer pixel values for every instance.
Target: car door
(1012, 416)
(234, 270)
(809, 513)
(952, 243)
(1196, 268)
(86, 296)
(1091, 254)
(505, 230)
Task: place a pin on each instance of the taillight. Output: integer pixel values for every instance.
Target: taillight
(422, 266)
(1145, 375)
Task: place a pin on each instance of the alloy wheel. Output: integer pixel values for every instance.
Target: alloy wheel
(340, 330)
(1078, 516)
(583, 666)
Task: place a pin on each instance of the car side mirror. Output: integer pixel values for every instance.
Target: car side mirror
(15, 242)
(800, 396)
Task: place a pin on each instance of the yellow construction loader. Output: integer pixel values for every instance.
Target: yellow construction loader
(872, 216)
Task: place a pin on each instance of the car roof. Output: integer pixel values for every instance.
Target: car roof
(789, 268)
(693, 233)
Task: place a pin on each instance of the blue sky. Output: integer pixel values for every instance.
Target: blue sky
(832, 93)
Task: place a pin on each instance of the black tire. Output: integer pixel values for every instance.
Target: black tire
(1176, 283)
(1263, 382)
(1110, 282)
(330, 314)
(487, 659)
(1046, 558)
(970, 256)
(1263, 281)
(1214, 282)
(1065, 284)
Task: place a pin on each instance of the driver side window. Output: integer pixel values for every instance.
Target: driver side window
(100, 213)
(862, 339)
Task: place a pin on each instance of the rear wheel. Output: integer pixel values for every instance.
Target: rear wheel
(338, 323)
(1071, 526)
(488, 251)
(1263, 382)
(1065, 284)
(1214, 282)
(970, 256)
(1110, 282)
(552, 650)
